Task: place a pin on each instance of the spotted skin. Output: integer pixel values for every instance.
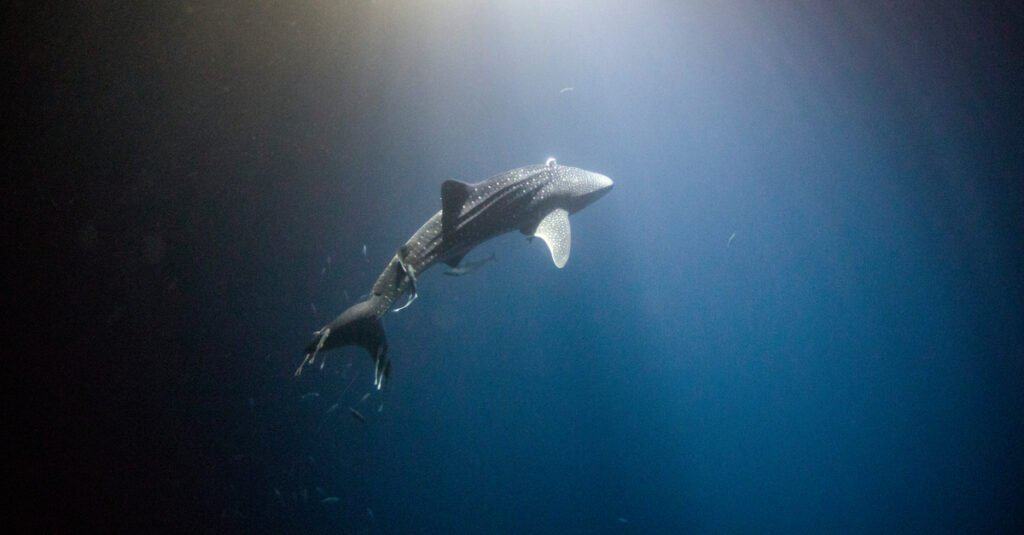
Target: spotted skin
(515, 200)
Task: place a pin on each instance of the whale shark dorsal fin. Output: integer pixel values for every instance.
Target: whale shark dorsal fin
(554, 230)
(453, 197)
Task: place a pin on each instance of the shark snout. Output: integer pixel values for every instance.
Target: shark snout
(601, 186)
(590, 187)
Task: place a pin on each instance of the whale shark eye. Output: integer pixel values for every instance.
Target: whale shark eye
(552, 163)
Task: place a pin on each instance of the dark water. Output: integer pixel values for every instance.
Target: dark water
(800, 309)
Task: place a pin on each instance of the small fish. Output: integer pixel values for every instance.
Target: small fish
(347, 298)
(312, 306)
(362, 399)
(357, 415)
(310, 396)
(332, 409)
(330, 500)
(369, 513)
(623, 520)
(469, 267)
(731, 238)
(566, 90)
(329, 259)
(364, 251)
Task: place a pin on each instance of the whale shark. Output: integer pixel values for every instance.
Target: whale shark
(536, 200)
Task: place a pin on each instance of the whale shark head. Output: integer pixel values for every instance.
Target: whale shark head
(576, 188)
(565, 190)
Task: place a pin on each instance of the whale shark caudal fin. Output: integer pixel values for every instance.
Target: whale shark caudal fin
(453, 197)
(381, 367)
(359, 325)
(313, 349)
(555, 231)
(371, 337)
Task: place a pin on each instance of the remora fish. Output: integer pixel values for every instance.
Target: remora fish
(468, 267)
(535, 200)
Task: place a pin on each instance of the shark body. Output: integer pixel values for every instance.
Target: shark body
(535, 200)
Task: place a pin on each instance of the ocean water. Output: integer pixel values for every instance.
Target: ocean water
(799, 310)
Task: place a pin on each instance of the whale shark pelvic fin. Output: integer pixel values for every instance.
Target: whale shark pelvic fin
(408, 271)
(555, 231)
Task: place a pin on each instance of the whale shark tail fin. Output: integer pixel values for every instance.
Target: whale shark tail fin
(360, 326)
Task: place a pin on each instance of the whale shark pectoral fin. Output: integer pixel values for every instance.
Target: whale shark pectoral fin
(453, 197)
(555, 231)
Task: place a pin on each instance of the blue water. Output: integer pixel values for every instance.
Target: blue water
(799, 310)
